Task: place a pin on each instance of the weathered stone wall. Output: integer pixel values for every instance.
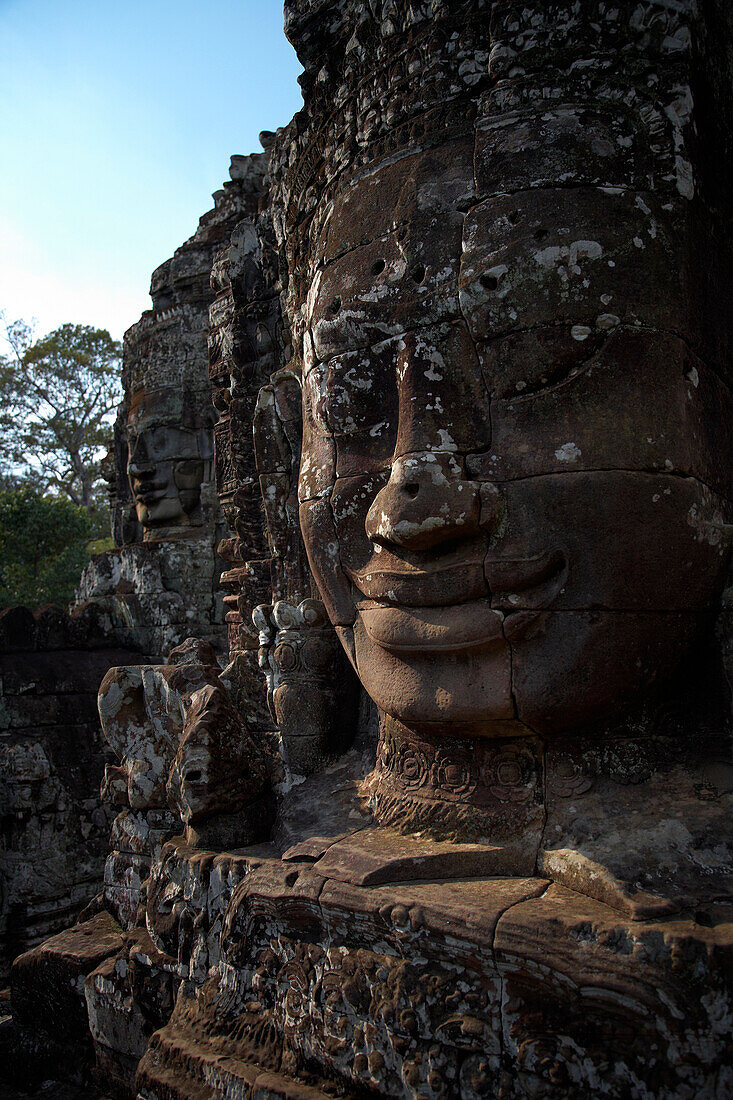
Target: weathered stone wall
(158, 586)
(274, 615)
(54, 833)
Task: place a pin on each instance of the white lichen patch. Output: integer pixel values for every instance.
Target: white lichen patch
(568, 452)
(447, 442)
(569, 255)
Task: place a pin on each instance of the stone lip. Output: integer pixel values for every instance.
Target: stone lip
(396, 581)
(539, 579)
(416, 629)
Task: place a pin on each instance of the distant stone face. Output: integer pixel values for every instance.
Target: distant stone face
(167, 466)
(160, 583)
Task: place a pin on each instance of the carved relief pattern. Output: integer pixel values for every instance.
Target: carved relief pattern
(299, 656)
(371, 1017)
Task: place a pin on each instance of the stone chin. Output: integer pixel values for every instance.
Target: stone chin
(163, 513)
(442, 670)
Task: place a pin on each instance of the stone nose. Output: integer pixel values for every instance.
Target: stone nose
(426, 502)
(139, 467)
(139, 460)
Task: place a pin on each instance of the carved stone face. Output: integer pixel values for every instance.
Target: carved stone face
(512, 462)
(166, 467)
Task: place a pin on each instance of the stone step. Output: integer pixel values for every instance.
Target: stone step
(177, 1066)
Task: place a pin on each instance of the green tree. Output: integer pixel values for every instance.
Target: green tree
(43, 548)
(57, 395)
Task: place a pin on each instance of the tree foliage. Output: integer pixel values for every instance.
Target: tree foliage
(56, 397)
(43, 547)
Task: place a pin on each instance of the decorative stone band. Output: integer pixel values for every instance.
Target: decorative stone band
(458, 789)
(299, 652)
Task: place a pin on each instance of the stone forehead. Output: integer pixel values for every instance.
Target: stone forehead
(168, 405)
(536, 87)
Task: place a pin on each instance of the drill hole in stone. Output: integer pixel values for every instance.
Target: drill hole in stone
(418, 273)
(412, 489)
(541, 234)
(489, 282)
(514, 217)
(378, 267)
(335, 305)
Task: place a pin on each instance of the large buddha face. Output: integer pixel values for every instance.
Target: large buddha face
(513, 468)
(166, 466)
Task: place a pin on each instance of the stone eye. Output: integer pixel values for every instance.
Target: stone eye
(378, 267)
(335, 305)
(489, 282)
(418, 273)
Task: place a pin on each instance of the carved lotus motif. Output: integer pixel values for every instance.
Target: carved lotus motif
(511, 774)
(410, 767)
(569, 780)
(452, 775)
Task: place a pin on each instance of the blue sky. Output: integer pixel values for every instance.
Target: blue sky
(117, 122)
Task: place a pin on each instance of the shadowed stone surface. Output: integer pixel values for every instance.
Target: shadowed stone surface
(53, 830)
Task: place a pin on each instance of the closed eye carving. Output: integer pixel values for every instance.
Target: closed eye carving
(529, 364)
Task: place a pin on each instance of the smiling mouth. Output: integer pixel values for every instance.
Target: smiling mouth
(526, 583)
(445, 620)
(148, 493)
(454, 583)
(508, 583)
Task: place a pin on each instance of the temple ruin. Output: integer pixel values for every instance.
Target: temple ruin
(452, 819)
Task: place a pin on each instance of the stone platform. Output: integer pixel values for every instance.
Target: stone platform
(475, 987)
